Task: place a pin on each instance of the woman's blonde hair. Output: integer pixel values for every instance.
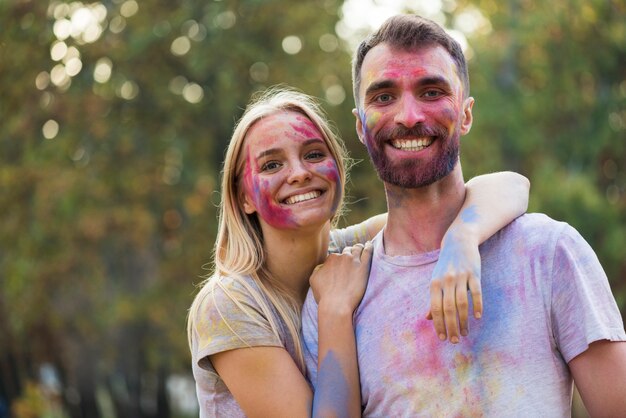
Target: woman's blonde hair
(239, 249)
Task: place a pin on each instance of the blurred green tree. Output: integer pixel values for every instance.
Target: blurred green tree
(115, 119)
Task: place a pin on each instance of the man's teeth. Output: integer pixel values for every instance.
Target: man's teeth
(411, 144)
(302, 197)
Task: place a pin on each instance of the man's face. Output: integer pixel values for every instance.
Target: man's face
(411, 114)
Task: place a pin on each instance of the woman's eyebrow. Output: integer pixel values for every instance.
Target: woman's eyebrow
(274, 151)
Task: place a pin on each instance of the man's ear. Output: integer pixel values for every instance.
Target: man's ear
(359, 125)
(468, 118)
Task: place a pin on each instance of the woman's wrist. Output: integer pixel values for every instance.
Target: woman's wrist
(465, 232)
(334, 308)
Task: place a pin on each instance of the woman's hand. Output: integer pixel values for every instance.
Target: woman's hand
(457, 270)
(339, 284)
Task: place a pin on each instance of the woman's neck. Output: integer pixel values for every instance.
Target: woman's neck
(291, 256)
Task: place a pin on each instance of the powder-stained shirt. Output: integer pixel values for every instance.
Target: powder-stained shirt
(546, 298)
(229, 317)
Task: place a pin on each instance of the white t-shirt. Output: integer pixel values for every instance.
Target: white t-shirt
(546, 298)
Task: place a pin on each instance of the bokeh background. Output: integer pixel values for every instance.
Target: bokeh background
(114, 117)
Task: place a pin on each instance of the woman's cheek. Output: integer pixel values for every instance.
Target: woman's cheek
(329, 170)
(268, 209)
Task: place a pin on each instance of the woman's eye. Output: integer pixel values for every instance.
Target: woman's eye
(315, 155)
(270, 166)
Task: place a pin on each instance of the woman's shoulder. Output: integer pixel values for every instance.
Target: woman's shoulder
(225, 292)
(229, 314)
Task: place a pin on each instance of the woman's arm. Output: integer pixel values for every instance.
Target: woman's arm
(492, 201)
(338, 286)
(265, 381)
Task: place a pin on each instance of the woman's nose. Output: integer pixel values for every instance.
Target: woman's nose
(299, 172)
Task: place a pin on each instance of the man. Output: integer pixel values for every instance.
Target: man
(549, 312)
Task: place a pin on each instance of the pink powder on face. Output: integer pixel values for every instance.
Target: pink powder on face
(260, 192)
(329, 170)
(306, 128)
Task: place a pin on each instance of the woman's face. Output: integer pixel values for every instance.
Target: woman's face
(290, 178)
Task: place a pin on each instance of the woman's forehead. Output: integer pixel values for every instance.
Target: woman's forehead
(284, 125)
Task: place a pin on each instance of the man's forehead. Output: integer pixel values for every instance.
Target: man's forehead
(384, 56)
(384, 61)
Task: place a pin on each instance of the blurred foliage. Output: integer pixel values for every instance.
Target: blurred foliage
(109, 219)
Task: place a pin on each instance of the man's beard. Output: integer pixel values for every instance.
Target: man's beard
(411, 174)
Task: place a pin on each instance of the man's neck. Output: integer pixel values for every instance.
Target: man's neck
(419, 218)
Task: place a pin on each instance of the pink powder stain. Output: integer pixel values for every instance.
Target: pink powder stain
(329, 170)
(260, 192)
(306, 128)
(403, 69)
(432, 364)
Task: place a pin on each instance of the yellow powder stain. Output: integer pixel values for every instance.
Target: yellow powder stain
(372, 119)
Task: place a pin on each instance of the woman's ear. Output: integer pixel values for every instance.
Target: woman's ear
(246, 203)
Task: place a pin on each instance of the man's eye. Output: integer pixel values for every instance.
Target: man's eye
(270, 166)
(383, 98)
(432, 93)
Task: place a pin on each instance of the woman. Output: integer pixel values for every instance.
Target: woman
(282, 188)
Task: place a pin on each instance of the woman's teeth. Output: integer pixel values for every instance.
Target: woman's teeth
(302, 197)
(411, 144)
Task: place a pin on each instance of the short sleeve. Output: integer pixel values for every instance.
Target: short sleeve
(347, 237)
(583, 307)
(230, 317)
(309, 337)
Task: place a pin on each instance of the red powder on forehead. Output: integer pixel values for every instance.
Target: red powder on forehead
(400, 71)
(306, 127)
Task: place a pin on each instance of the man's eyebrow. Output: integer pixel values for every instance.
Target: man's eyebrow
(379, 85)
(434, 80)
(425, 81)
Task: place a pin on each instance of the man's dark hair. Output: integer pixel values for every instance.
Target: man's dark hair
(409, 32)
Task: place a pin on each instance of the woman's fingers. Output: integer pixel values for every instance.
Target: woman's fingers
(477, 295)
(462, 305)
(449, 307)
(436, 309)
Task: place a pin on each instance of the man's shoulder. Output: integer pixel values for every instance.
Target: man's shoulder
(531, 224)
(531, 230)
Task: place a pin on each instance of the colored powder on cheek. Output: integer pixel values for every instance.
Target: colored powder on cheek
(269, 210)
(329, 170)
(372, 120)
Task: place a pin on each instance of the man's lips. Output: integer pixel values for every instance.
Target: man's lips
(412, 144)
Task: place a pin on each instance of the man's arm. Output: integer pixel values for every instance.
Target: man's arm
(600, 375)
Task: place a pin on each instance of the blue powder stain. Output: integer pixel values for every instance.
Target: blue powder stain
(361, 113)
(469, 214)
(331, 392)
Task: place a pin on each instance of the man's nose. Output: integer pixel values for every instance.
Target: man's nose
(409, 112)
